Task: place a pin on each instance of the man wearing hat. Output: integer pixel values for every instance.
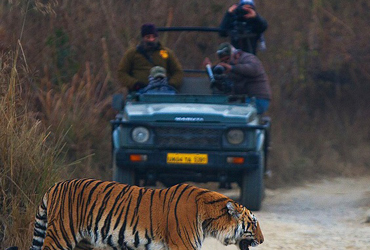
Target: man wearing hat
(247, 73)
(134, 68)
(241, 22)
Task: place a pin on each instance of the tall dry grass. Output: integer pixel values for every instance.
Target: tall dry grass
(80, 110)
(30, 158)
(326, 145)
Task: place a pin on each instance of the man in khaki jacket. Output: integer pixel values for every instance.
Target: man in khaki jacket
(134, 67)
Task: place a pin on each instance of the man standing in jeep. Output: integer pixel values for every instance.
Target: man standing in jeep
(134, 67)
(244, 26)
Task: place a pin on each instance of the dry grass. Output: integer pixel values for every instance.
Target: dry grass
(80, 108)
(306, 147)
(29, 159)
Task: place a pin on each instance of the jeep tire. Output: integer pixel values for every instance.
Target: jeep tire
(123, 175)
(252, 186)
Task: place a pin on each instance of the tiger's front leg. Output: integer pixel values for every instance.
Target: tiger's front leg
(53, 242)
(180, 246)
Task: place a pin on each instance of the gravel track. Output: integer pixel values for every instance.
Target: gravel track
(330, 214)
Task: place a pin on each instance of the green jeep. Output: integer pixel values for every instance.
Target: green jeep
(193, 135)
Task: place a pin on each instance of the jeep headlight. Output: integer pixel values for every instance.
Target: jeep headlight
(140, 134)
(235, 136)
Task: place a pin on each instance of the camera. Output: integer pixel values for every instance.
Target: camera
(240, 29)
(218, 70)
(220, 83)
(240, 12)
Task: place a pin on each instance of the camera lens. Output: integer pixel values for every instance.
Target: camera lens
(240, 12)
(218, 70)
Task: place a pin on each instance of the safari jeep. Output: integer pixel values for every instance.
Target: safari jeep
(194, 136)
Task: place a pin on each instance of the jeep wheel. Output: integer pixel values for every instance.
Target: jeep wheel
(123, 175)
(252, 186)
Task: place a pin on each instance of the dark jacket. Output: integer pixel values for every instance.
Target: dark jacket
(249, 76)
(136, 64)
(244, 33)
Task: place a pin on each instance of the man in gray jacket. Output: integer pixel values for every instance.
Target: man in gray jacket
(247, 74)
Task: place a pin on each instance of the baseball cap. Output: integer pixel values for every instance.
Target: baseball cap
(224, 49)
(249, 2)
(158, 71)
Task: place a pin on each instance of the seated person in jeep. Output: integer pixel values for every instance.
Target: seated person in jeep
(158, 82)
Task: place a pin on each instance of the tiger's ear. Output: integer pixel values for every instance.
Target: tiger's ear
(233, 210)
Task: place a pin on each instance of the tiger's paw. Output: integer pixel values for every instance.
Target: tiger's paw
(12, 248)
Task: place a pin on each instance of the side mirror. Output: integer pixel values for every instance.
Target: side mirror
(118, 102)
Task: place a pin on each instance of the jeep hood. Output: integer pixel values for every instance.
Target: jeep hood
(189, 112)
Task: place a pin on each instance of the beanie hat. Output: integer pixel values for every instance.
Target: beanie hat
(148, 29)
(158, 71)
(225, 49)
(249, 2)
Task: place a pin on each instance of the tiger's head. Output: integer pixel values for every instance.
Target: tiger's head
(247, 231)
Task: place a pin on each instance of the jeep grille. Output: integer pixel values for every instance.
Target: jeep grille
(188, 137)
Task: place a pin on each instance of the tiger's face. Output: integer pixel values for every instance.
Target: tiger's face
(247, 231)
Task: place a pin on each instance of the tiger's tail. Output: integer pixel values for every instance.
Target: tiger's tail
(40, 225)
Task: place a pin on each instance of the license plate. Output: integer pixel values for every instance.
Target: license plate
(179, 158)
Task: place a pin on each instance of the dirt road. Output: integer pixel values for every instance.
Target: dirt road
(329, 214)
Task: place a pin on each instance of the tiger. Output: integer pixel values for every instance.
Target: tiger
(89, 213)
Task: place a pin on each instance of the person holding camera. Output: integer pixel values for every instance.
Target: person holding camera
(244, 26)
(244, 75)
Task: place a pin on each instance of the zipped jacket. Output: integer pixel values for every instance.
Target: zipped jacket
(136, 63)
(249, 76)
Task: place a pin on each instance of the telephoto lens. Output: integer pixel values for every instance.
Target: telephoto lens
(218, 70)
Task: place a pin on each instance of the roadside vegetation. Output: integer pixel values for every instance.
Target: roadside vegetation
(31, 157)
(58, 62)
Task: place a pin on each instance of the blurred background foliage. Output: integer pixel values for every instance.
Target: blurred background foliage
(58, 62)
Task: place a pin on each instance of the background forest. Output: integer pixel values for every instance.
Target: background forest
(58, 62)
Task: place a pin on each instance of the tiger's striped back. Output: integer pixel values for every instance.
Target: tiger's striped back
(87, 213)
